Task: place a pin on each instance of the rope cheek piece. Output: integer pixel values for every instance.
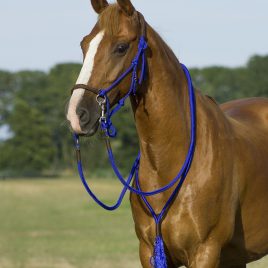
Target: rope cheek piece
(158, 259)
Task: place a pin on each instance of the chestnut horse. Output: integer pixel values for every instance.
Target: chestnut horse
(220, 216)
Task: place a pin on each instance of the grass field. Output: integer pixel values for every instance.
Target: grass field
(51, 223)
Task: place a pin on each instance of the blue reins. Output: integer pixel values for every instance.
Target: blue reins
(159, 259)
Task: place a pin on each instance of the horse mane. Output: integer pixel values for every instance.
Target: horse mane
(109, 19)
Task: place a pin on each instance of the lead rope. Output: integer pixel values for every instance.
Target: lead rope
(159, 259)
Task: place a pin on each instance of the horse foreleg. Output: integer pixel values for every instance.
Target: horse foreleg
(145, 254)
(207, 256)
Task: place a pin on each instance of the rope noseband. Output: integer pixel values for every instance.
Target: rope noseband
(159, 258)
(86, 87)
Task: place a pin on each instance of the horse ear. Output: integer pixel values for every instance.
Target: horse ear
(126, 6)
(99, 5)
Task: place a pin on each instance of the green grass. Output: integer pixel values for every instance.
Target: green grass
(53, 224)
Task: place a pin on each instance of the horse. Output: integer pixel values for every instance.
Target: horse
(219, 219)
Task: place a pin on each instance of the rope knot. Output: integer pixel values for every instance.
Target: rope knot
(142, 44)
(159, 259)
(108, 127)
(135, 62)
(122, 102)
(102, 93)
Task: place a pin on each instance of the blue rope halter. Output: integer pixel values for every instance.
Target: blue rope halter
(159, 258)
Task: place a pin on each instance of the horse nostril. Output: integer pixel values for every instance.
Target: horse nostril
(83, 115)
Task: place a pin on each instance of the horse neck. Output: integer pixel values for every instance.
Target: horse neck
(162, 113)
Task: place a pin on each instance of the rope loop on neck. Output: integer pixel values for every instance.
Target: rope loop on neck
(179, 179)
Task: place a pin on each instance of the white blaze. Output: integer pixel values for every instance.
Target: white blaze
(83, 78)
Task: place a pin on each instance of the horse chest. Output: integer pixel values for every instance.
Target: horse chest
(184, 227)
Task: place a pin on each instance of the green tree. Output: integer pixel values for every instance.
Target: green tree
(30, 150)
(61, 79)
(257, 74)
(32, 104)
(7, 90)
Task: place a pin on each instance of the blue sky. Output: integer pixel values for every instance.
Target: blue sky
(37, 34)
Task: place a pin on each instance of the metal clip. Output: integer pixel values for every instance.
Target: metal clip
(101, 100)
(103, 117)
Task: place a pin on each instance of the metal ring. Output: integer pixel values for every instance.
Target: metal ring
(101, 99)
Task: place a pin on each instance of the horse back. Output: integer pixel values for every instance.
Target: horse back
(252, 111)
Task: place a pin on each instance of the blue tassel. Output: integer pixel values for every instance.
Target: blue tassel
(159, 259)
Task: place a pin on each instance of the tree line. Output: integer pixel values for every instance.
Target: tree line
(38, 141)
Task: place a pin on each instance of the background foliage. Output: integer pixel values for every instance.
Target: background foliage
(32, 108)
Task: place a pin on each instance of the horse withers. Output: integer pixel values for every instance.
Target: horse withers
(220, 216)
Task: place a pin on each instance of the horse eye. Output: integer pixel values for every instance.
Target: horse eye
(122, 48)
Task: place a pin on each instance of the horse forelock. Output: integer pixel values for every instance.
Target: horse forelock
(109, 19)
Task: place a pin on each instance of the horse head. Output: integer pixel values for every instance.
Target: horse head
(107, 51)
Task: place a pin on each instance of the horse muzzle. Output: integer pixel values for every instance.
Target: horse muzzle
(84, 118)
